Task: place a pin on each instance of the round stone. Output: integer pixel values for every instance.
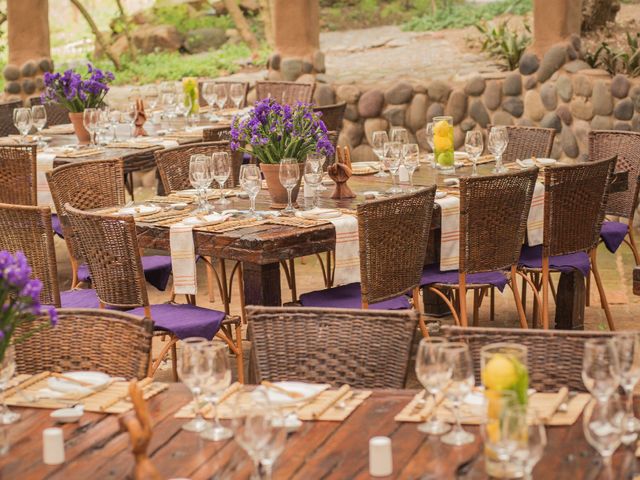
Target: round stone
(572, 54)
(576, 42)
(291, 68)
(552, 61)
(581, 129)
(45, 65)
(318, 61)
(421, 138)
(602, 122)
(352, 132)
(524, 122)
(438, 91)
(581, 108)
(530, 82)
(622, 126)
(635, 123)
(12, 88)
(370, 103)
(395, 115)
(351, 112)
(513, 105)
(11, 73)
(307, 67)
(475, 86)
(374, 125)
(620, 86)
(551, 120)
(28, 86)
(576, 66)
(363, 153)
(458, 137)
(29, 68)
(399, 93)
(324, 95)
(434, 110)
(419, 88)
(456, 106)
(565, 114)
(624, 109)
(549, 96)
(502, 118)
(479, 113)
(493, 94)
(569, 143)
(602, 99)
(581, 86)
(417, 112)
(347, 93)
(512, 84)
(306, 78)
(564, 88)
(529, 63)
(533, 107)
(274, 61)
(273, 75)
(556, 149)
(467, 124)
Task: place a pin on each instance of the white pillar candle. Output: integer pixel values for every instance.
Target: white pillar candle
(52, 446)
(380, 457)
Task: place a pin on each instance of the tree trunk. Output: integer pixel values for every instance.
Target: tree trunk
(267, 20)
(596, 13)
(242, 25)
(127, 30)
(96, 32)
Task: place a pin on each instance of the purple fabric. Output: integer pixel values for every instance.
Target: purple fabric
(157, 270)
(184, 320)
(432, 274)
(532, 257)
(57, 226)
(612, 234)
(348, 296)
(79, 298)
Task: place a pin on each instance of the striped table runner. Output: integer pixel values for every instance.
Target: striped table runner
(347, 253)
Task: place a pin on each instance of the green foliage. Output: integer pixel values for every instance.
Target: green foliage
(456, 14)
(625, 60)
(183, 19)
(503, 44)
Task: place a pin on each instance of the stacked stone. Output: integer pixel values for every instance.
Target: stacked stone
(26, 81)
(291, 68)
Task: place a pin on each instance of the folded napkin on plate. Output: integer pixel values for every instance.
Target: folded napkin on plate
(44, 164)
(449, 232)
(347, 253)
(535, 220)
(319, 213)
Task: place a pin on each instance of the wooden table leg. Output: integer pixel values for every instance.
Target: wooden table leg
(570, 301)
(262, 284)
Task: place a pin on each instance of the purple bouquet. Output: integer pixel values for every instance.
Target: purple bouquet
(74, 92)
(20, 298)
(272, 132)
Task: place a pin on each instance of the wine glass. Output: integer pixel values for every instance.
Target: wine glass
(169, 106)
(275, 444)
(190, 367)
(210, 96)
(602, 426)
(473, 145)
(628, 348)
(313, 176)
(103, 125)
(323, 160)
(411, 159)
(114, 119)
(152, 96)
(90, 119)
(498, 140)
(289, 174)
(399, 134)
(502, 430)
(378, 139)
(216, 379)
(221, 169)
(7, 370)
(22, 121)
(530, 447)
(600, 367)
(392, 157)
(221, 95)
(457, 356)
(134, 94)
(236, 93)
(39, 119)
(434, 375)
(251, 182)
(200, 176)
(429, 131)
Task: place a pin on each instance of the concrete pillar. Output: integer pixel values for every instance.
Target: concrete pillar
(296, 26)
(554, 21)
(29, 48)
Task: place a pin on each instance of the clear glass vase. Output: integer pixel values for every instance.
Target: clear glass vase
(443, 150)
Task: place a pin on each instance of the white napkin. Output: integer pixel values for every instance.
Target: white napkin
(535, 220)
(347, 253)
(44, 164)
(449, 232)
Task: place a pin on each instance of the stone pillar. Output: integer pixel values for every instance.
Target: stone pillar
(29, 49)
(554, 21)
(296, 26)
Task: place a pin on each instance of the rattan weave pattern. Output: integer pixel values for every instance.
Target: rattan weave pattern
(527, 142)
(332, 115)
(56, 113)
(554, 356)
(28, 229)
(6, 117)
(393, 237)
(286, 93)
(18, 183)
(115, 343)
(361, 348)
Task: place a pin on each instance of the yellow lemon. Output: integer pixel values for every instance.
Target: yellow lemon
(499, 373)
(442, 143)
(442, 129)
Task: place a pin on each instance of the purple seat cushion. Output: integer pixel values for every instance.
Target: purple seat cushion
(532, 257)
(184, 320)
(349, 296)
(432, 274)
(56, 225)
(79, 298)
(612, 234)
(157, 270)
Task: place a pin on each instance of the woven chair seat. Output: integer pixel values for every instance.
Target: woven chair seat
(79, 298)
(348, 296)
(531, 258)
(157, 270)
(431, 275)
(612, 234)
(184, 320)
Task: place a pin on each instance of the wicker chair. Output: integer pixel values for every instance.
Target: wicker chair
(6, 117)
(56, 113)
(393, 236)
(554, 357)
(229, 104)
(332, 116)
(527, 142)
(492, 209)
(361, 348)
(216, 134)
(116, 343)
(18, 183)
(575, 200)
(287, 93)
(110, 245)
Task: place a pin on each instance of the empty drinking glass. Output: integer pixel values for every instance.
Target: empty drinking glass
(23, 122)
(602, 426)
(236, 93)
(457, 356)
(200, 176)
(411, 159)
(530, 447)
(152, 96)
(221, 95)
(39, 120)
(313, 176)
(183, 105)
(628, 348)
(600, 367)
(210, 96)
(275, 444)
(434, 375)
(221, 169)
(378, 139)
(473, 145)
(251, 182)
(502, 429)
(191, 364)
(289, 175)
(498, 141)
(90, 119)
(323, 160)
(215, 380)
(104, 124)
(7, 370)
(399, 134)
(392, 157)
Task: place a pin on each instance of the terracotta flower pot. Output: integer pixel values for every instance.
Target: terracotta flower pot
(78, 125)
(277, 192)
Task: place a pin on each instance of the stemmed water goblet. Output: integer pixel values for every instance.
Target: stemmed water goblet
(473, 145)
(392, 157)
(323, 160)
(600, 367)
(434, 375)
(498, 141)
(289, 174)
(90, 119)
(132, 114)
(191, 365)
(530, 447)
(313, 176)
(152, 96)
(378, 139)
(457, 356)
(168, 101)
(221, 95)
(399, 134)
(628, 348)
(7, 370)
(251, 182)
(236, 93)
(216, 378)
(103, 125)
(411, 159)
(429, 133)
(274, 445)
(23, 122)
(602, 423)
(39, 120)
(200, 176)
(221, 169)
(210, 96)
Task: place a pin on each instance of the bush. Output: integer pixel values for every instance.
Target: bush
(181, 17)
(626, 60)
(503, 44)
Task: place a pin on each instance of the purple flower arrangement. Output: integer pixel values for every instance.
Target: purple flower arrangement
(74, 92)
(20, 298)
(271, 132)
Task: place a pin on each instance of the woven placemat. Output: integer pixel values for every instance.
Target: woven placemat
(132, 145)
(85, 152)
(481, 160)
(297, 222)
(230, 225)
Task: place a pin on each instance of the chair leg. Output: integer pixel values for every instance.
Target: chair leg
(603, 297)
(514, 288)
(632, 244)
(292, 272)
(477, 300)
(536, 298)
(537, 306)
(462, 298)
(417, 304)
(545, 293)
(552, 287)
(174, 360)
(74, 272)
(210, 280)
(524, 295)
(153, 365)
(587, 300)
(239, 354)
(446, 300)
(492, 304)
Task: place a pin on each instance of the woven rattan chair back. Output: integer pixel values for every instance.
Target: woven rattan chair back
(332, 115)
(173, 164)
(554, 356)
(493, 219)
(286, 93)
(361, 348)
(393, 240)
(56, 113)
(115, 343)
(18, 183)
(229, 103)
(6, 117)
(216, 134)
(605, 144)
(28, 229)
(110, 247)
(527, 142)
(575, 198)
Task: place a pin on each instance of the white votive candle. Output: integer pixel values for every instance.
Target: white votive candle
(52, 446)
(380, 457)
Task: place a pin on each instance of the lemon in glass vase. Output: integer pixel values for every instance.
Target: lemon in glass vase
(443, 144)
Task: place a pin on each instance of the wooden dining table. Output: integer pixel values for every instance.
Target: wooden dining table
(96, 448)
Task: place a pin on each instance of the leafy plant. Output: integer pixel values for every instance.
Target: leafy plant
(626, 60)
(181, 17)
(503, 44)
